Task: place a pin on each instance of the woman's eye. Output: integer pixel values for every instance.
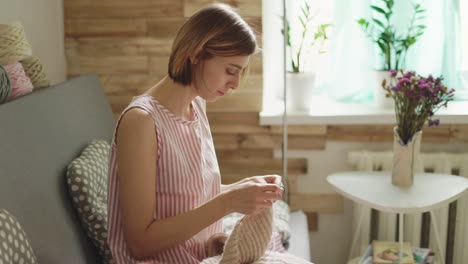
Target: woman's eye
(230, 72)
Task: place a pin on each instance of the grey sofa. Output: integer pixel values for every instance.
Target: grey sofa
(40, 134)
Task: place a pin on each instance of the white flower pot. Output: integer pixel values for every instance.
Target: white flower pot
(380, 100)
(405, 159)
(299, 91)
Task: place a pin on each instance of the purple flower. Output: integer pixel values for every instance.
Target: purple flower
(434, 122)
(396, 88)
(393, 73)
(404, 80)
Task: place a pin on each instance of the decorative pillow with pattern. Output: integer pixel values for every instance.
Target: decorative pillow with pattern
(87, 185)
(14, 244)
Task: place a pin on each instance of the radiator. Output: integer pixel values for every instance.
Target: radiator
(451, 220)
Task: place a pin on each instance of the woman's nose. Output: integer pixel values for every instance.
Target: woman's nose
(235, 83)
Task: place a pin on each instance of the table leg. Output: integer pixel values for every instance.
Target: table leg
(436, 232)
(358, 228)
(400, 236)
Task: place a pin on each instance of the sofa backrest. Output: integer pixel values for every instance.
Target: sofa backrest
(40, 134)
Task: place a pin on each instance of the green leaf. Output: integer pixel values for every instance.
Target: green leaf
(378, 9)
(376, 21)
(382, 47)
(302, 22)
(362, 21)
(390, 4)
(304, 12)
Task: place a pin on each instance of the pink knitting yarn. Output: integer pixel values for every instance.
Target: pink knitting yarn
(20, 83)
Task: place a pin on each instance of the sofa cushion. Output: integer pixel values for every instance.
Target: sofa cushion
(87, 185)
(14, 244)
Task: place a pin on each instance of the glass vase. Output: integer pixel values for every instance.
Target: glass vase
(405, 158)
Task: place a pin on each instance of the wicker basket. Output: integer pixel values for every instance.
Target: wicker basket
(13, 43)
(35, 71)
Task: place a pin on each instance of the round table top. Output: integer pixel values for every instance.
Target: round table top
(375, 189)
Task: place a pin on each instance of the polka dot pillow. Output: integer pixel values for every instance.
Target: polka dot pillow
(14, 245)
(87, 185)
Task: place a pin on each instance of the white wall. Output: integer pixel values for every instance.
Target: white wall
(331, 243)
(43, 23)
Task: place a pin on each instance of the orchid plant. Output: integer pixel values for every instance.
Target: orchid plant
(416, 99)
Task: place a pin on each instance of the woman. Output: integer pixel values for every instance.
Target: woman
(165, 195)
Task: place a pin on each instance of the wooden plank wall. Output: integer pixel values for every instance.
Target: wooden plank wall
(127, 43)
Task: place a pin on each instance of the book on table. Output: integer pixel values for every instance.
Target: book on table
(387, 252)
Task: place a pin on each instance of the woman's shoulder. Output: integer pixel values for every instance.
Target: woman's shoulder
(201, 103)
(135, 117)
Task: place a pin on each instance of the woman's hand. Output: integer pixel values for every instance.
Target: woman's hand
(276, 179)
(253, 194)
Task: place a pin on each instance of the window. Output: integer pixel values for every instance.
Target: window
(343, 72)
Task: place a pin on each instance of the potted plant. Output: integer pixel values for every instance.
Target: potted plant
(393, 47)
(300, 82)
(416, 100)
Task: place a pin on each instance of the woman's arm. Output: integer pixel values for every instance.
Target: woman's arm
(136, 156)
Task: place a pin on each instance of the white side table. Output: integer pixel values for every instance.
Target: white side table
(375, 190)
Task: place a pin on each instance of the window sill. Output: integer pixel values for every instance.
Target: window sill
(328, 112)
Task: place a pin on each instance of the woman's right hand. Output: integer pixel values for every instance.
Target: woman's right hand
(252, 197)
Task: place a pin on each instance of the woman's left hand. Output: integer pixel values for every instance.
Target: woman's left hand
(276, 179)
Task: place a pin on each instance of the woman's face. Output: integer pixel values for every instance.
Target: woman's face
(218, 75)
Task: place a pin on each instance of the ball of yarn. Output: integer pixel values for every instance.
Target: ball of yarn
(5, 85)
(20, 83)
(35, 71)
(13, 43)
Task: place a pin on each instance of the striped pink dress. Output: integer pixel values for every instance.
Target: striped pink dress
(188, 176)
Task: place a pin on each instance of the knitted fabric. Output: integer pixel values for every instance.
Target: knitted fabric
(13, 43)
(248, 243)
(35, 71)
(5, 85)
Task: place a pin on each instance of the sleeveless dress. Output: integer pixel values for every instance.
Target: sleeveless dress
(187, 176)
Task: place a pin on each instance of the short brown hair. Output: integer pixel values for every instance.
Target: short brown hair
(217, 30)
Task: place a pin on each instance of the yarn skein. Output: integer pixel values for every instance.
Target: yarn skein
(35, 71)
(13, 43)
(5, 85)
(20, 83)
